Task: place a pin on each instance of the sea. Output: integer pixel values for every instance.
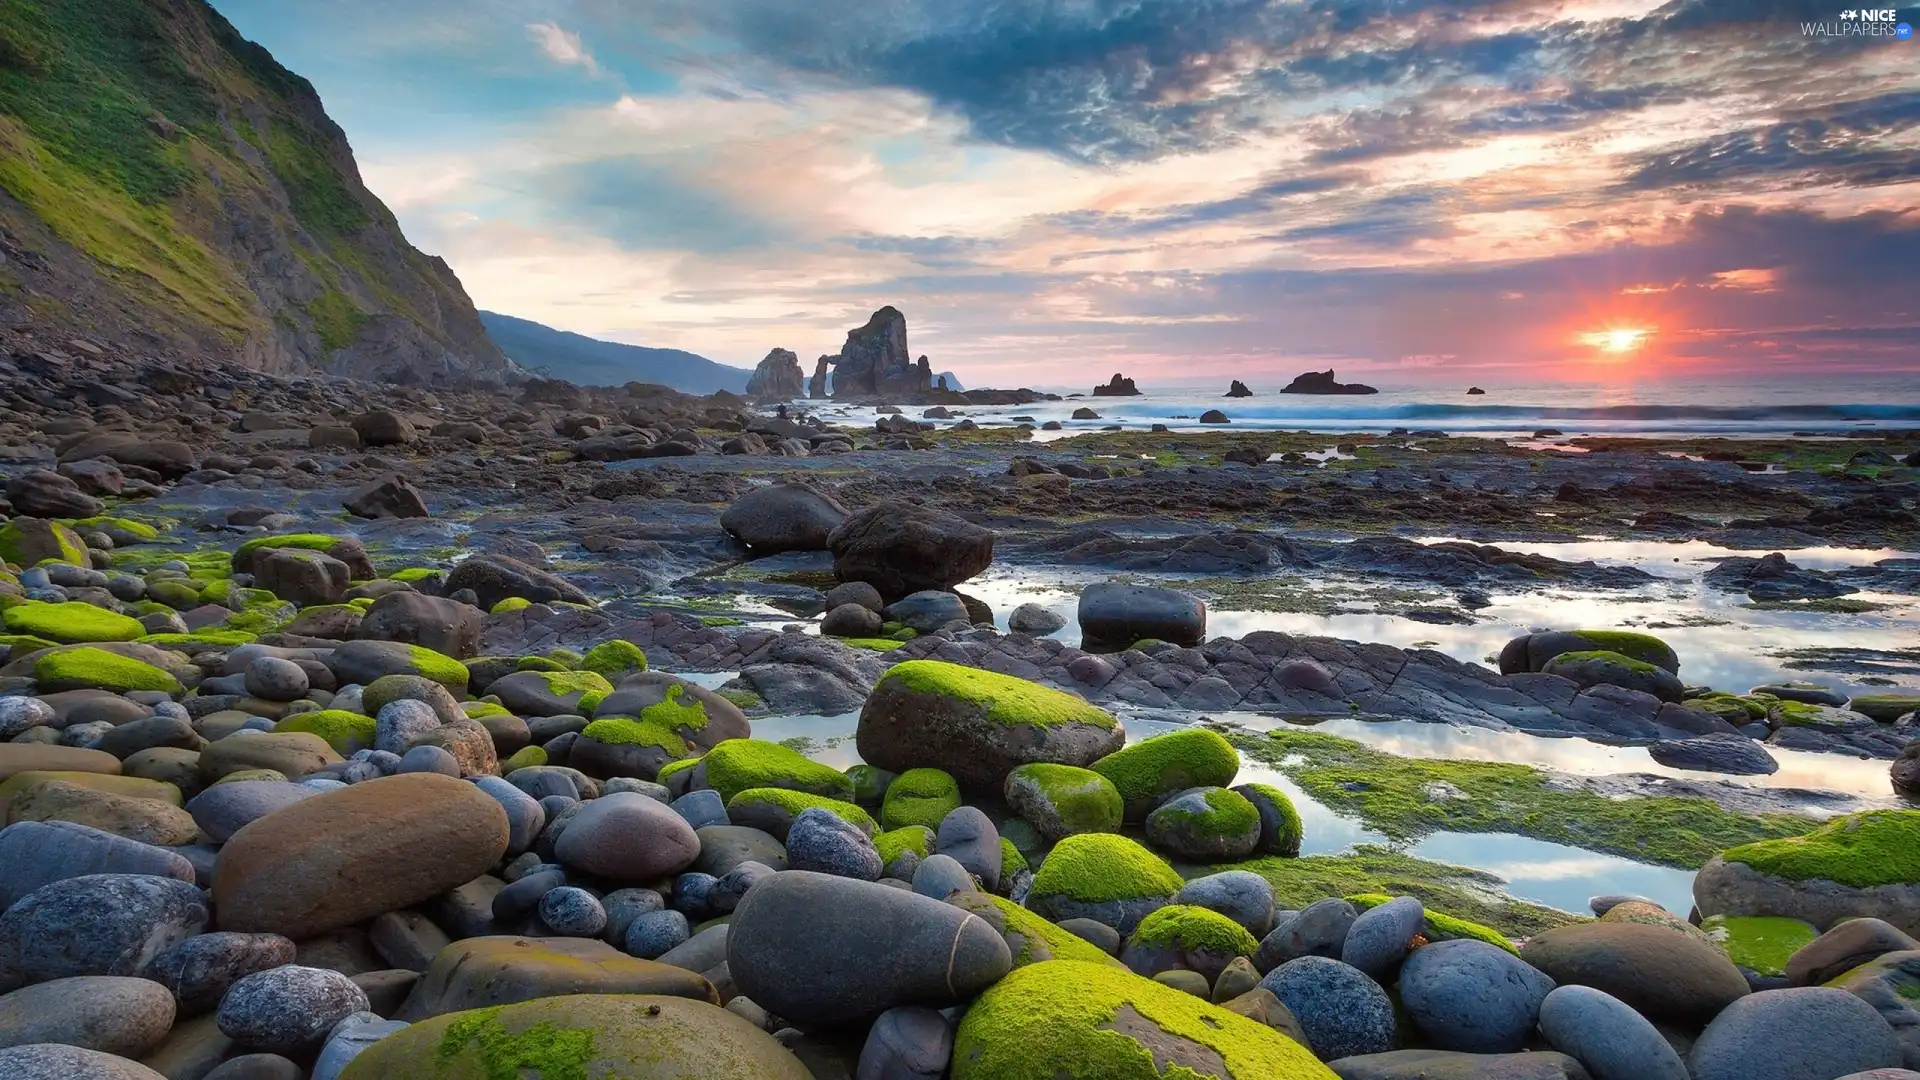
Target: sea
(1810, 407)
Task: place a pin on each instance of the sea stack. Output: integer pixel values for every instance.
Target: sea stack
(1322, 382)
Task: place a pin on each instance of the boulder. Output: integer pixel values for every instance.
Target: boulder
(445, 626)
(1341, 1011)
(1801, 1033)
(1072, 1020)
(1601, 668)
(833, 951)
(1205, 825)
(100, 924)
(357, 852)
(1533, 652)
(977, 725)
(38, 853)
(389, 497)
(1666, 975)
(288, 1009)
(1853, 866)
(927, 611)
(1890, 983)
(486, 972)
(783, 517)
(52, 1061)
(1104, 877)
(1721, 751)
(902, 548)
(199, 970)
(1470, 996)
(494, 578)
(613, 1036)
(1840, 950)
(1607, 1036)
(625, 836)
(1114, 616)
(1182, 937)
(1060, 800)
(302, 577)
(109, 1013)
(1152, 770)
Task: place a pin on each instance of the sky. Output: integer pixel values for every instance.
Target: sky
(1187, 191)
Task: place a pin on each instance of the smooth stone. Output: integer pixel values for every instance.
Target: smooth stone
(1240, 895)
(907, 1043)
(224, 809)
(823, 842)
(571, 911)
(345, 856)
(1607, 1036)
(1661, 973)
(109, 1013)
(288, 1009)
(1099, 934)
(702, 808)
(1802, 1033)
(1381, 936)
(731, 887)
(430, 759)
(1470, 996)
(52, 1061)
(968, 836)
(1319, 929)
(257, 1067)
(1839, 950)
(486, 971)
(402, 723)
(1453, 1065)
(940, 876)
(407, 940)
(37, 853)
(704, 951)
(628, 837)
(1341, 1010)
(100, 924)
(199, 970)
(653, 934)
(348, 1039)
(791, 937)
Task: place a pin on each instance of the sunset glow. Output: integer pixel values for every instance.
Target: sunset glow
(1622, 339)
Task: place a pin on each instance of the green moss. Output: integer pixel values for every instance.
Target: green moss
(919, 797)
(1228, 813)
(305, 541)
(418, 573)
(1464, 893)
(511, 603)
(1067, 1020)
(524, 758)
(1735, 709)
(1408, 798)
(476, 710)
(336, 319)
(1885, 708)
(793, 802)
(1288, 836)
(673, 767)
(1099, 867)
(71, 621)
(21, 644)
(1761, 944)
(1879, 847)
(1185, 926)
(1011, 861)
(200, 639)
(439, 667)
(877, 644)
(621, 731)
(677, 711)
(745, 700)
(101, 670)
(538, 663)
(737, 765)
(1644, 648)
(616, 657)
(1150, 768)
(1442, 927)
(1620, 660)
(1084, 800)
(591, 687)
(121, 528)
(896, 842)
(1005, 699)
(1031, 939)
(720, 620)
(543, 1050)
(345, 731)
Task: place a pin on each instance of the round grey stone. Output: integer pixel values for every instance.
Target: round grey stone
(1803, 1033)
(625, 905)
(652, 934)
(1098, 933)
(37, 853)
(275, 679)
(52, 1061)
(822, 841)
(908, 1043)
(573, 912)
(1035, 619)
(1320, 929)
(1341, 1010)
(1379, 939)
(17, 714)
(693, 894)
(100, 924)
(288, 1009)
(731, 887)
(200, 969)
(855, 592)
(430, 759)
(225, 809)
(348, 1038)
(940, 876)
(110, 1013)
(1240, 895)
(525, 818)
(1471, 996)
(702, 808)
(1607, 1036)
(968, 836)
(627, 837)
(401, 723)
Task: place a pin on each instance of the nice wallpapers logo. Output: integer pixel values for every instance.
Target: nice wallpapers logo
(1862, 22)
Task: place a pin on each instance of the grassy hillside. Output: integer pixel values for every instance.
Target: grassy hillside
(191, 186)
(591, 362)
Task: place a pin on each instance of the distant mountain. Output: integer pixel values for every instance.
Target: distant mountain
(587, 361)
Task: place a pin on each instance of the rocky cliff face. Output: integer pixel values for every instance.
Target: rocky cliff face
(778, 376)
(165, 181)
(875, 363)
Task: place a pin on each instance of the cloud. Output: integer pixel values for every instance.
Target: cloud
(562, 45)
(1861, 143)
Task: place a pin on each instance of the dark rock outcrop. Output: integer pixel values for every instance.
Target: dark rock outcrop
(1322, 382)
(817, 386)
(778, 376)
(1118, 386)
(1239, 389)
(875, 363)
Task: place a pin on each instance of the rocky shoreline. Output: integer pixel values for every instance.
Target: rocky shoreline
(338, 744)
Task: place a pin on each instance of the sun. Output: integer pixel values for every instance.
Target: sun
(1617, 339)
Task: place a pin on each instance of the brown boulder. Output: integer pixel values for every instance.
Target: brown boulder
(476, 973)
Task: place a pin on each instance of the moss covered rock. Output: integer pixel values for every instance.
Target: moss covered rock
(1183, 937)
(919, 797)
(1150, 770)
(738, 765)
(1442, 927)
(30, 541)
(1860, 865)
(1280, 828)
(71, 622)
(1067, 1020)
(364, 661)
(772, 810)
(551, 693)
(1205, 825)
(1061, 800)
(604, 1036)
(345, 549)
(901, 850)
(977, 725)
(1885, 708)
(1104, 877)
(1030, 938)
(697, 715)
(614, 659)
(1600, 667)
(347, 732)
(1533, 652)
(83, 667)
(1828, 718)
